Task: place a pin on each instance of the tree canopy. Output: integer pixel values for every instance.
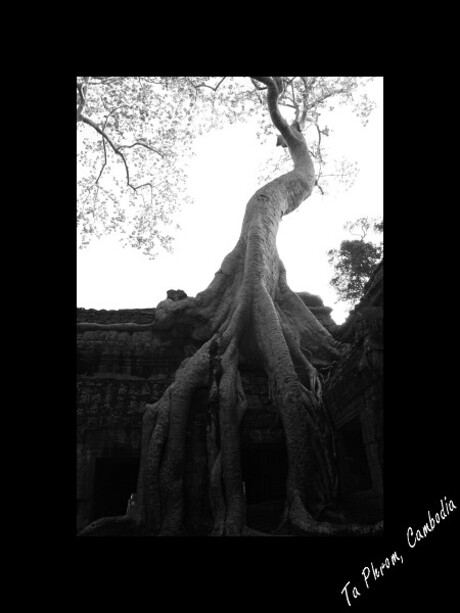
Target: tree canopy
(135, 138)
(356, 259)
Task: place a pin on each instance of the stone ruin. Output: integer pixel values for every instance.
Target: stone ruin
(118, 372)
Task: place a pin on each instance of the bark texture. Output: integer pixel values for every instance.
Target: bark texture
(248, 311)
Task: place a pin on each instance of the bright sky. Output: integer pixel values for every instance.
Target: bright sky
(223, 176)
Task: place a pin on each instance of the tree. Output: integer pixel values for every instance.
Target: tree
(248, 312)
(130, 170)
(356, 259)
(135, 138)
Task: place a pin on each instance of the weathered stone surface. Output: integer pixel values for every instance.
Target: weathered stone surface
(373, 297)
(354, 390)
(102, 316)
(176, 294)
(321, 312)
(311, 300)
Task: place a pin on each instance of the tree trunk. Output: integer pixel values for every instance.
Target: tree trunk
(248, 305)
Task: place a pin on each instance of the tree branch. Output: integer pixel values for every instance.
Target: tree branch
(256, 85)
(319, 141)
(104, 164)
(150, 80)
(273, 93)
(106, 80)
(114, 111)
(103, 144)
(296, 106)
(148, 184)
(137, 143)
(196, 86)
(116, 149)
(91, 123)
(82, 89)
(328, 95)
(108, 194)
(319, 187)
(291, 106)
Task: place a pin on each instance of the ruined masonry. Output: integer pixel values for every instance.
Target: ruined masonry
(118, 372)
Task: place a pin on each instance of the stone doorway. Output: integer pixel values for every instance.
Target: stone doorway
(115, 479)
(355, 473)
(264, 470)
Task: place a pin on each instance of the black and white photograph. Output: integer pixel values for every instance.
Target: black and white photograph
(230, 332)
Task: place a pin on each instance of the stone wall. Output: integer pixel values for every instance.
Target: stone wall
(117, 374)
(353, 396)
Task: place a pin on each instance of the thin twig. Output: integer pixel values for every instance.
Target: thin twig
(319, 140)
(104, 164)
(113, 111)
(296, 106)
(108, 194)
(196, 86)
(319, 187)
(286, 104)
(329, 94)
(145, 185)
(141, 145)
(137, 142)
(150, 80)
(343, 174)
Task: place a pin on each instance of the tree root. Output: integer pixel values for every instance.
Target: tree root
(278, 329)
(296, 392)
(122, 525)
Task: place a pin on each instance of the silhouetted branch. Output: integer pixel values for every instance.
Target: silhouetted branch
(82, 89)
(319, 187)
(91, 123)
(196, 86)
(137, 143)
(114, 111)
(106, 80)
(256, 85)
(104, 164)
(291, 106)
(116, 149)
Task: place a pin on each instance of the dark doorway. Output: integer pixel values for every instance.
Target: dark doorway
(264, 470)
(356, 476)
(115, 479)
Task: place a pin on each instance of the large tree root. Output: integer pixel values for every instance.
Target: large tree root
(248, 314)
(277, 324)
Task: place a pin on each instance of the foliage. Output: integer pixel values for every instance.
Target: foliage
(135, 138)
(133, 186)
(356, 259)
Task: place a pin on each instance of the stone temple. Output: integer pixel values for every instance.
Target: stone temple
(118, 372)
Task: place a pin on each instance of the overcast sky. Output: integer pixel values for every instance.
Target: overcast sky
(223, 176)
